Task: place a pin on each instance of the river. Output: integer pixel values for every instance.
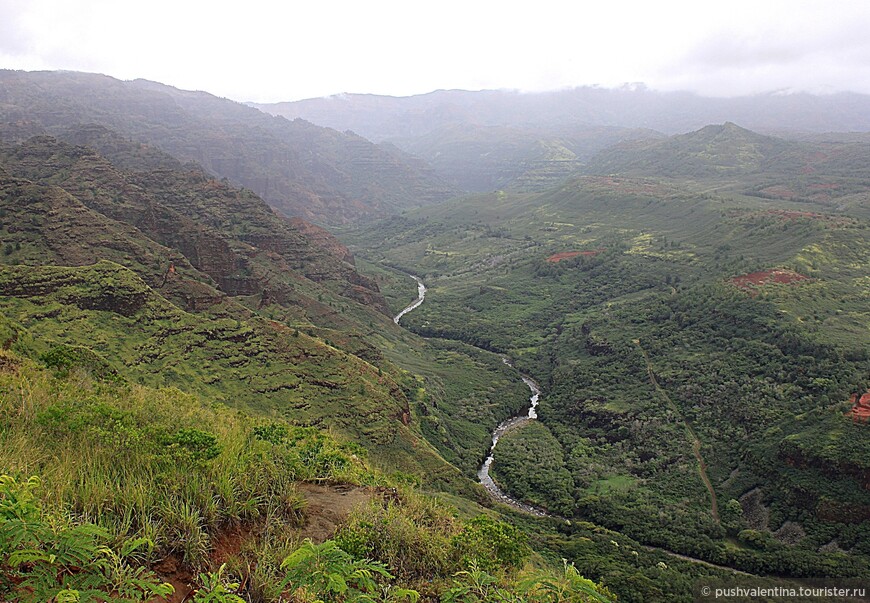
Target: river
(483, 475)
(421, 296)
(513, 422)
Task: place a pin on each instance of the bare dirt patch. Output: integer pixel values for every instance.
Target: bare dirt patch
(860, 411)
(329, 506)
(172, 570)
(754, 280)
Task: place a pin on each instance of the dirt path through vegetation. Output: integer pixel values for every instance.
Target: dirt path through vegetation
(699, 561)
(696, 443)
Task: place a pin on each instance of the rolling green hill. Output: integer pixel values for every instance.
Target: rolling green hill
(828, 171)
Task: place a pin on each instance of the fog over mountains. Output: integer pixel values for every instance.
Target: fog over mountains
(382, 117)
(481, 141)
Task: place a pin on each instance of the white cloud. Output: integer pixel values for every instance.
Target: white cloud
(260, 50)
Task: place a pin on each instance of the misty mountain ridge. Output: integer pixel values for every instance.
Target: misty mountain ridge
(382, 117)
(299, 168)
(489, 140)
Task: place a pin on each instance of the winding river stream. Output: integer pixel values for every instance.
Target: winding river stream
(483, 475)
(513, 422)
(421, 296)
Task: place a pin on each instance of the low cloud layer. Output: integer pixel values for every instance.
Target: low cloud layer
(259, 51)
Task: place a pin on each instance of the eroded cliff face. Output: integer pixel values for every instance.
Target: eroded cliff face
(105, 286)
(47, 225)
(320, 237)
(237, 243)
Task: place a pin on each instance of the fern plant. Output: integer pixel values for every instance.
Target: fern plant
(50, 559)
(567, 587)
(328, 573)
(476, 585)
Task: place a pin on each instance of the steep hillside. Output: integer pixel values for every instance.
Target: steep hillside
(226, 233)
(300, 169)
(228, 265)
(226, 356)
(217, 252)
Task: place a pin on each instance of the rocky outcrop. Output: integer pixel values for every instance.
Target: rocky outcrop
(104, 286)
(860, 411)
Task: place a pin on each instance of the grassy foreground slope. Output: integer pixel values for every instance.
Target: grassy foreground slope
(146, 492)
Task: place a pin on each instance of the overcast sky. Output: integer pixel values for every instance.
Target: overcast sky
(273, 51)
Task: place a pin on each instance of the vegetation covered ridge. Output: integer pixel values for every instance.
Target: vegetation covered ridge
(303, 170)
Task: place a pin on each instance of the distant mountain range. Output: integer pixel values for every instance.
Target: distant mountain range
(487, 140)
(384, 117)
(299, 168)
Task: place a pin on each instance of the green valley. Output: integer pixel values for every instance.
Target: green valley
(624, 296)
(204, 394)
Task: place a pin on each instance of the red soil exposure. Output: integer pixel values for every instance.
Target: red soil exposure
(860, 411)
(327, 507)
(566, 255)
(757, 279)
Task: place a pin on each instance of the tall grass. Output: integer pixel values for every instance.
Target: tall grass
(160, 466)
(157, 463)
